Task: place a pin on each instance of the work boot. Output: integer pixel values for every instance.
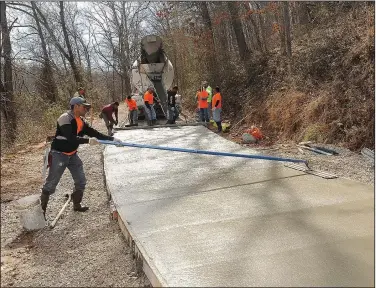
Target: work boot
(149, 122)
(43, 202)
(77, 198)
(153, 122)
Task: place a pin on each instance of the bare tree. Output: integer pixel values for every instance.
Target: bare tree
(7, 98)
(47, 74)
(212, 60)
(286, 13)
(237, 25)
(76, 71)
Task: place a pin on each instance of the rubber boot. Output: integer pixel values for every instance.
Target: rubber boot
(219, 125)
(43, 202)
(77, 198)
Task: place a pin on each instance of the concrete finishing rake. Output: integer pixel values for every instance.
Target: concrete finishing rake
(292, 162)
(264, 157)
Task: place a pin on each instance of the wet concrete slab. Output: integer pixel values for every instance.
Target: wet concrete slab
(218, 221)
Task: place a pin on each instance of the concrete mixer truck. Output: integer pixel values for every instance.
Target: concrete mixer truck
(152, 68)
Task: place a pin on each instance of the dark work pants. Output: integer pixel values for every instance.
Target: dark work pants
(58, 165)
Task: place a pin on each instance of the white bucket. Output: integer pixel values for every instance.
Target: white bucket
(30, 212)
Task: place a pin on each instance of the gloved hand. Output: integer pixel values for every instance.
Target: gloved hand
(93, 141)
(172, 109)
(116, 140)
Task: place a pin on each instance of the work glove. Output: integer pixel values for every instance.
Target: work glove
(93, 141)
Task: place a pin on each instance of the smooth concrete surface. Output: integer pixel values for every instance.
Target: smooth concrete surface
(206, 220)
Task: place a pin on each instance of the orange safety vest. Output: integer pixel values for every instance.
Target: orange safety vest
(148, 97)
(216, 97)
(132, 104)
(80, 126)
(203, 103)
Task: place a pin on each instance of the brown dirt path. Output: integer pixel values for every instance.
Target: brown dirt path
(84, 249)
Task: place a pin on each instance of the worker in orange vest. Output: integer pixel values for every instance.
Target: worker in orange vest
(133, 111)
(198, 117)
(149, 106)
(217, 108)
(203, 105)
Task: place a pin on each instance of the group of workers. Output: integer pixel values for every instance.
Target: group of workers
(209, 106)
(72, 126)
(149, 99)
(172, 108)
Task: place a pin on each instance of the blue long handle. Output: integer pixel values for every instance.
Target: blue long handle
(203, 152)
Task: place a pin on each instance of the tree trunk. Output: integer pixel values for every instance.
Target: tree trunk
(212, 59)
(256, 32)
(237, 25)
(124, 45)
(125, 52)
(262, 30)
(76, 71)
(7, 99)
(303, 13)
(282, 33)
(286, 12)
(48, 80)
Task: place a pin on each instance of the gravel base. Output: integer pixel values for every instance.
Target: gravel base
(84, 249)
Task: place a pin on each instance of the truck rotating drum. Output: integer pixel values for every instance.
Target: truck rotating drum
(153, 68)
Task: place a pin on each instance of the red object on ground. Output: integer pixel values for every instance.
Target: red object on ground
(255, 132)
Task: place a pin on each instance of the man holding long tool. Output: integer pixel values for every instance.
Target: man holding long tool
(71, 126)
(217, 108)
(171, 105)
(149, 106)
(132, 110)
(203, 105)
(210, 94)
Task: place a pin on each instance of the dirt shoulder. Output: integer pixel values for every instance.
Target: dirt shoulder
(83, 249)
(347, 164)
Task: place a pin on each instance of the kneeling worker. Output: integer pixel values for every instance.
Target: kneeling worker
(106, 115)
(71, 126)
(133, 111)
